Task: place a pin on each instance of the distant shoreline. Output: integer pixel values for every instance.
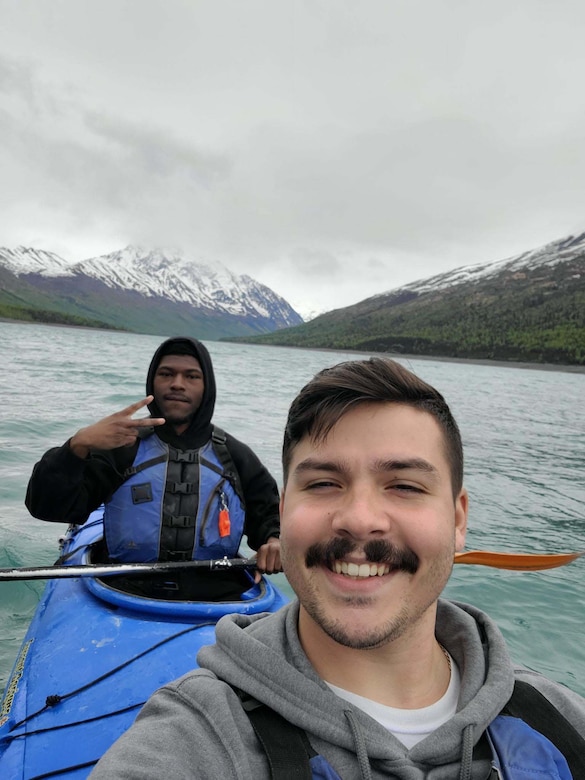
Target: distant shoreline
(568, 369)
(66, 325)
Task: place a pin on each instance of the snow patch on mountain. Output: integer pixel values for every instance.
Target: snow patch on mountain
(25, 260)
(554, 253)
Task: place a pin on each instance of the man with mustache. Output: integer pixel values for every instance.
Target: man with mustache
(175, 486)
(369, 673)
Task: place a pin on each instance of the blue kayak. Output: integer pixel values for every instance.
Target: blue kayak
(92, 656)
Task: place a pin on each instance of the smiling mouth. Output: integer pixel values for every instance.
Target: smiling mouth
(362, 570)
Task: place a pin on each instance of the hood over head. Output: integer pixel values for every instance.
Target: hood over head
(199, 430)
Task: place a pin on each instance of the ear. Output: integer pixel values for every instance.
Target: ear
(461, 509)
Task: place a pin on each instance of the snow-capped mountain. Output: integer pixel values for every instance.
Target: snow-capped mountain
(180, 278)
(554, 253)
(124, 285)
(24, 260)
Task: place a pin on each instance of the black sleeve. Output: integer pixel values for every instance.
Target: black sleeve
(64, 488)
(260, 494)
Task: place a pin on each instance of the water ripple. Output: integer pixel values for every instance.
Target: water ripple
(524, 435)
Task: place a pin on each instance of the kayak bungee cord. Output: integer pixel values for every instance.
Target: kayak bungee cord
(60, 772)
(55, 699)
(75, 767)
(102, 716)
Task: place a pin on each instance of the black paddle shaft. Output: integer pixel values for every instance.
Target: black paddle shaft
(110, 569)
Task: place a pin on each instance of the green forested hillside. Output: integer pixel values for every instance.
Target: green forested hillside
(533, 316)
(50, 317)
(21, 301)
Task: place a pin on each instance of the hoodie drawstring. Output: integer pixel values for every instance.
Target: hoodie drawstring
(362, 753)
(360, 746)
(467, 753)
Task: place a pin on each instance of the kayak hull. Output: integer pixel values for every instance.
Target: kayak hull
(90, 659)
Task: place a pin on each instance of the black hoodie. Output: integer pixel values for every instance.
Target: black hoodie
(64, 488)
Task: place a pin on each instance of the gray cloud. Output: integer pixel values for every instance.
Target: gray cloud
(295, 141)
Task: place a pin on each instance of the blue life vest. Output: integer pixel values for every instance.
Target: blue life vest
(175, 505)
(521, 753)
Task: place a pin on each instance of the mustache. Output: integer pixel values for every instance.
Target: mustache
(376, 551)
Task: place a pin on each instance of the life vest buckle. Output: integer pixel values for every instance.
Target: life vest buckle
(178, 521)
(188, 456)
(184, 488)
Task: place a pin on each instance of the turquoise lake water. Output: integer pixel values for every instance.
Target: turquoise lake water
(523, 430)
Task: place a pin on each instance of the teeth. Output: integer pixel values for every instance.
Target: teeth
(362, 570)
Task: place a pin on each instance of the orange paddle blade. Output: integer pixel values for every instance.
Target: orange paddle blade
(516, 561)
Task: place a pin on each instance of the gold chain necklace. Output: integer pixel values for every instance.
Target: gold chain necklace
(447, 656)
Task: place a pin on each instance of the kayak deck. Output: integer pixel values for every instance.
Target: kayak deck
(90, 659)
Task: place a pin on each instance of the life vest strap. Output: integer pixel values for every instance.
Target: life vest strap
(132, 470)
(287, 747)
(218, 440)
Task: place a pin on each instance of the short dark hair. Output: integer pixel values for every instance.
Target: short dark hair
(334, 391)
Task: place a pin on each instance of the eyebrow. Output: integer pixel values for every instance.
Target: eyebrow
(313, 464)
(378, 466)
(415, 464)
(190, 370)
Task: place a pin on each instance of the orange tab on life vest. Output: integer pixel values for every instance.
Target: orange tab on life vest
(224, 523)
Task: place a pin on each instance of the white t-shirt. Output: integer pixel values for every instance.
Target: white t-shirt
(410, 726)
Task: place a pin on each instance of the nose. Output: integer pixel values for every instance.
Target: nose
(362, 514)
(178, 382)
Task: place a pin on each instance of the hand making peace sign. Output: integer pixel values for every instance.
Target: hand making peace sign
(116, 430)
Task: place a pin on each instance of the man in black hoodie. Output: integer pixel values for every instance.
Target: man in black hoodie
(174, 486)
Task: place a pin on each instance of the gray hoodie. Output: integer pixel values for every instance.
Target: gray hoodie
(196, 727)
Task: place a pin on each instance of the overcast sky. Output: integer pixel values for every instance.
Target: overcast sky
(331, 149)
